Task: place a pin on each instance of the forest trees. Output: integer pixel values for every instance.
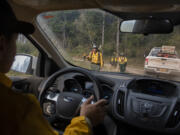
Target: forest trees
(78, 29)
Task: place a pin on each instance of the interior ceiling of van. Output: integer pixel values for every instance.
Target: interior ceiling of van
(113, 5)
(27, 10)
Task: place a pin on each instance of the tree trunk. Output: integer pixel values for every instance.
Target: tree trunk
(103, 23)
(117, 38)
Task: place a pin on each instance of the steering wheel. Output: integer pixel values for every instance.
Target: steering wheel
(61, 105)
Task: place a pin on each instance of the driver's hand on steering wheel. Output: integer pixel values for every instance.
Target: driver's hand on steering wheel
(95, 112)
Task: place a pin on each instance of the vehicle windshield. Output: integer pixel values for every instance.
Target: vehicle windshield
(91, 39)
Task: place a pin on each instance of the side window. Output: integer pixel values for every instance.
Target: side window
(26, 58)
(154, 52)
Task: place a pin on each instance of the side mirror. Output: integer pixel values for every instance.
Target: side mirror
(24, 63)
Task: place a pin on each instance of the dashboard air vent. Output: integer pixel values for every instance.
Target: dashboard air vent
(122, 84)
(120, 103)
(53, 87)
(54, 84)
(174, 119)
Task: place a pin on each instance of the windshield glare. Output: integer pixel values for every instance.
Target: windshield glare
(91, 39)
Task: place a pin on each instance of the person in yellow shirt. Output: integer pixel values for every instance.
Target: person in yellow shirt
(21, 113)
(122, 62)
(96, 59)
(114, 60)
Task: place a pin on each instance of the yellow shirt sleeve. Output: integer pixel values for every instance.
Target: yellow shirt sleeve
(125, 59)
(78, 126)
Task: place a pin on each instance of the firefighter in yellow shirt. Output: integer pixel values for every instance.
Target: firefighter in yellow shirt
(96, 59)
(114, 60)
(122, 60)
(21, 113)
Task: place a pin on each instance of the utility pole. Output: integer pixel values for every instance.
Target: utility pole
(103, 23)
(64, 31)
(117, 38)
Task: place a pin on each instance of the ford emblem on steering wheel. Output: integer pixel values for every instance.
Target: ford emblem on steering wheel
(68, 99)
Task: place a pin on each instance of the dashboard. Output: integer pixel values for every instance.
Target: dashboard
(143, 102)
(146, 103)
(153, 87)
(149, 104)
(78, 83)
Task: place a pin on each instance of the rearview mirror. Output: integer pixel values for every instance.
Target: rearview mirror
(146, 26)
(24, 63)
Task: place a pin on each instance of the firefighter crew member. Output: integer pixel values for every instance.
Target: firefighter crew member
(95, 57)
(122, 62)
(21, 113)
(113, 61)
